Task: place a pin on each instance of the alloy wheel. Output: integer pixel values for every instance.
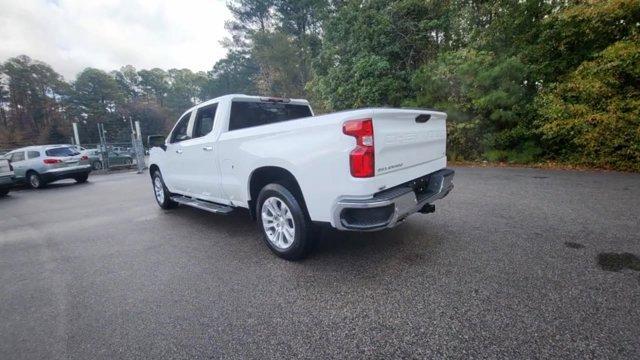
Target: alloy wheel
(158, 189)
(278, 223)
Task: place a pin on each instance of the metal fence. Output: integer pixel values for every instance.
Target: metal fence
(111, 155)
(114, 156)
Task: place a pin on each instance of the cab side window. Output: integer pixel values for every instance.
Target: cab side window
(33, 154)
(204, 120)
(180, 131)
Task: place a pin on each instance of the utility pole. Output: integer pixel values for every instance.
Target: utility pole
(75, 134)
(104, 156)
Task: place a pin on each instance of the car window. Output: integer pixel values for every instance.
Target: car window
(246, 114)
(204, 120)
(61, 151)
(180, 131)
(17, 156)
(33, 154)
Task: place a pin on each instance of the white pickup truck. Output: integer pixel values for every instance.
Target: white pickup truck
(359, 170)
(6, 176)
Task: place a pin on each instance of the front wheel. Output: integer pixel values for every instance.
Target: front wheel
(97, 165)
(4, 192)
(162, 194)
(283, 223)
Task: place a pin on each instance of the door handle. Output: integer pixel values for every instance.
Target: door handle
(207, 148)
(179, 151)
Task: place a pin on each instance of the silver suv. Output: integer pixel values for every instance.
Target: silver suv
(40, 165)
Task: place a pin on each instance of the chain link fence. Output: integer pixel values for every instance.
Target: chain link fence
(110, 155)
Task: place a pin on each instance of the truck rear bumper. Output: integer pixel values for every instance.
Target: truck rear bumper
(388, 208)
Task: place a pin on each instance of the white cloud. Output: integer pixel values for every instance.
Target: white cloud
(73, 34)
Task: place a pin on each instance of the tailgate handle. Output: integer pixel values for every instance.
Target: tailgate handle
(421, 119)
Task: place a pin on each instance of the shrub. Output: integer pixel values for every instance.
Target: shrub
(592, 117)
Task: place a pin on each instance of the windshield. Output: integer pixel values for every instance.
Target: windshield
(246, 114)
(61, 151)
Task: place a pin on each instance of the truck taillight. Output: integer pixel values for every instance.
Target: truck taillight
(51, 161)
(362, 158)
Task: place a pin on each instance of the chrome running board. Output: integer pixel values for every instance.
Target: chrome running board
(202, 205)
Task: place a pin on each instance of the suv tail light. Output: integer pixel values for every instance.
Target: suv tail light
(84, 157)
(361, 158)
(51, 161)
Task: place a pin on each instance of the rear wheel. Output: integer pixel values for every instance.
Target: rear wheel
(161, 193)
(4, 192)
(35, 180)
(283, 223)
(81, 178)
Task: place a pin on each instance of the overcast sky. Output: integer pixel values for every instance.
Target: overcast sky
(70, 35)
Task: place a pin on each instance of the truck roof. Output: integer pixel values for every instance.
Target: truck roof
(245, 97)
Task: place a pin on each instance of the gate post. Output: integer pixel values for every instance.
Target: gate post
(139, 148)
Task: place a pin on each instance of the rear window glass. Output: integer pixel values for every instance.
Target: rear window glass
(248, 114)
(17, 156)
(62, 151)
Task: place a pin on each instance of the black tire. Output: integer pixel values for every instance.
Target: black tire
(34, 180)
(96, 165)
(81, 179)
(4, 192)
(303, 238)
(163, 201)
(128, 161)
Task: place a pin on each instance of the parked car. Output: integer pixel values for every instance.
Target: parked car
(6, 177)
(115, 158)
(360, 170)
(39, 165)
(124, 150)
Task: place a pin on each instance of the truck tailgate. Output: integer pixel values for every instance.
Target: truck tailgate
(405, 138)
(4, 167)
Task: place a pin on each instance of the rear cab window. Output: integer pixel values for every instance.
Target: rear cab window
(61, 152)
(245, 114)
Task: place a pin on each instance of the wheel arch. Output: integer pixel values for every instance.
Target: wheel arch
(152, 169)
(262, 176)
(26, 173)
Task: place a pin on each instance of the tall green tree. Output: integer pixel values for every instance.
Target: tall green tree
(154, 85)
(32, 94)
(236, 73)
(97, 98)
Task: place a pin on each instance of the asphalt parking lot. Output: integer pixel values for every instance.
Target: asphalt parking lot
(507, 267)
